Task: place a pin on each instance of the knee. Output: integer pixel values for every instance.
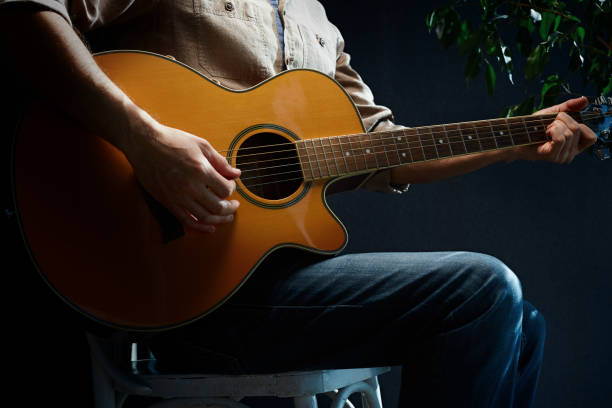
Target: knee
(497, 286)
(534, 326)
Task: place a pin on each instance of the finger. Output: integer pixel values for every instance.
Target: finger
(556, 131)
(220, 163)
(588, 137)
(572, 137)
(205, 217)
(215, 204)
(188, 221)
(216, 182)
(576, 104)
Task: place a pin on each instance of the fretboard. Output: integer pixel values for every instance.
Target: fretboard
(336, 156)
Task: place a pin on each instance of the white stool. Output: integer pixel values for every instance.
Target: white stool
(113, 384)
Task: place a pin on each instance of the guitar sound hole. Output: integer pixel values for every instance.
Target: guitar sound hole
(270, 166)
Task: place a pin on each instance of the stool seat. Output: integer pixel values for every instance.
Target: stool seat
(114, 383)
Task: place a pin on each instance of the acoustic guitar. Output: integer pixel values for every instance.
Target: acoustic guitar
(115, 254)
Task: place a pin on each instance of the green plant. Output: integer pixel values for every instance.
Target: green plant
(524, 34)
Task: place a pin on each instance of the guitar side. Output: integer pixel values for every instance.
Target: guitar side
(89, 227)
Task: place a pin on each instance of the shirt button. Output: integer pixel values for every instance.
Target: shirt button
(229, 6)
(289, 60)
(321, 41)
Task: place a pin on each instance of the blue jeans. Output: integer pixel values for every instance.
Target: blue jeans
(455, 321)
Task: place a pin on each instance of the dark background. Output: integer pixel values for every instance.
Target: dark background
(549, 223)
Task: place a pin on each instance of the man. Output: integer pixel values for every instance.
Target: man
(457, 319)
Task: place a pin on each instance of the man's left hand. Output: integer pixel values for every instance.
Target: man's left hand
(567, 138)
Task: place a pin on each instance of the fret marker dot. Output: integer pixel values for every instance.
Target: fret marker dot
(403, 154)
(470, 137)
(348, 154)
(501, 133)
(535, 128)
(367, 150)
(399, 138)
(441, 141)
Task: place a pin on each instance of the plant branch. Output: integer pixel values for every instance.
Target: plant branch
(531, 6)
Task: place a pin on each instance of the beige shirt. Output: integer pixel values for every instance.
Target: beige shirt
(233, 42)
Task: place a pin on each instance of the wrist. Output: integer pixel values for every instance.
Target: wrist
(134, 126)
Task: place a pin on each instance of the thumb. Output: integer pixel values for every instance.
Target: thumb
(220, 164)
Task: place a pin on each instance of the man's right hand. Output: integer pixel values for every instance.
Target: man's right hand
(185, 174)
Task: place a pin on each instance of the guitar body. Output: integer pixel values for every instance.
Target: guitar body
(91, 229)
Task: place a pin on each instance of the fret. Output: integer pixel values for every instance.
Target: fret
(329, 173)
(517, 131)
(396, 137)
(428, 130)
(485, 135)
(312, 158)
(428, 149)
(318, 148)
(346, 155)
(357, 152)
(415, 148)
(388, 141)
(329, 156)
(305, 163)
(470, 137)
(501, 133)
(455, 140)
(380, 151)
(440, 139)
(537, 128)
(365, 152)
(522, 119)
(403, 147)
(338, 159)
(372, 151)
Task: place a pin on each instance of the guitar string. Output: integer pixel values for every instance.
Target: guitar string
(347, 167)
(332, 176)
(393, 135)
(394, 145)
(460, 138)
(531, 120)
(394, 149)
(409, 130)
(489, 126)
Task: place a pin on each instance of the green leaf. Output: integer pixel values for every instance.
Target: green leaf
(576, 59)
(546, 24)
(490, 79)
(491, 44)
(608, 88)
(430, 20)
(526, 107)
(580, 34)
(551, 89)
(472, 66)
(536, 62)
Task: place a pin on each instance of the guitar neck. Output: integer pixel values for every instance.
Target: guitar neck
(335, 156)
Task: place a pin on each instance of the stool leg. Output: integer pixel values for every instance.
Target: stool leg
(104, 394)
(309, 401)
(372, 382)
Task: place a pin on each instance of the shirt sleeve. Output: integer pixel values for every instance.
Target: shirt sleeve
(59, 6)
(86, 15)
(375, 117)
